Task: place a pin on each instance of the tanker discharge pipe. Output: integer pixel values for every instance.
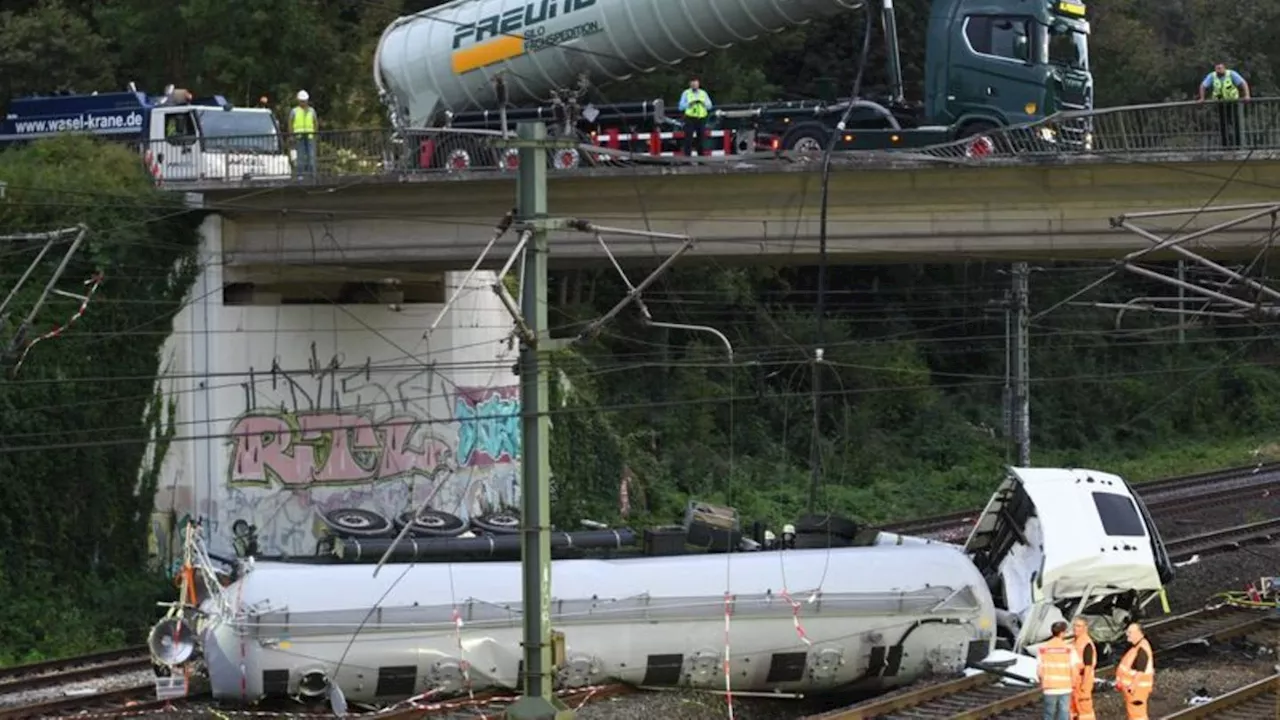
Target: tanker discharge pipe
(445, 59)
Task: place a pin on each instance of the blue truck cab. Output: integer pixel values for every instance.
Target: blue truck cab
(182, 138)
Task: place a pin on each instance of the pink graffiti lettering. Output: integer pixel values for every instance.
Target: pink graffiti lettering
(330, 448)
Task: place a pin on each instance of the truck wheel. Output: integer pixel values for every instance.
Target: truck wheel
(824, 524)
(985, 139)
(431, 523)
(502, 522)
(818, 540)
(807, 139)
(357, 522)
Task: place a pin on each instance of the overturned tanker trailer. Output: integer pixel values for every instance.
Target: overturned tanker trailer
(1051, 543)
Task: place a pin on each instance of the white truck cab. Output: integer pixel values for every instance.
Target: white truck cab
(1054, 543)
(189, 143)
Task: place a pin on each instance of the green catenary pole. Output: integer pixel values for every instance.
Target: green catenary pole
(539, 701)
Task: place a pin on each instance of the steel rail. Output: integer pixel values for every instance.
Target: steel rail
(1148, 492)
(1259, 699)
(8, 674)
(142, 697)
(1223, 539)
(75, 674)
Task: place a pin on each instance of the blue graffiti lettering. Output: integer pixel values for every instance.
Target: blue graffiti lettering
(488, 430)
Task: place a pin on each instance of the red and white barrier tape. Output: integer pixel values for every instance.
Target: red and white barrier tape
(462, 653)
(795, 618)
(728, 678)
(93, 284)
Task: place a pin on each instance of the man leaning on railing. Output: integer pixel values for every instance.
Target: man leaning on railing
(1226, 87)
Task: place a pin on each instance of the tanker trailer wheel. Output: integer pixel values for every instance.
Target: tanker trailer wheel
(820, 540)
(461, 153)
(502, 522)
(827, 524)
(431, 523)
(808, 139)
(357, 522)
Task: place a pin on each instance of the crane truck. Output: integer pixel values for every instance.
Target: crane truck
(470, 64)
(181, 137)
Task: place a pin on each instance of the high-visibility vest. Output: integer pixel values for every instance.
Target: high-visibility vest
(1055, 665)
(1086, 672)
(1136, 683)
(302, 121)
(698, 111)
(1224, 88)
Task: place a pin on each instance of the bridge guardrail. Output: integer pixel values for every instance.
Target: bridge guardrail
(342, 153)
(1208, 128)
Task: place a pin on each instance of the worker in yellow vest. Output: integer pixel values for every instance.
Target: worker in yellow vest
(1057, 671)
(1228, 88)
(1136, 673)
(303, 126)
(695, 104)
(1082, 693)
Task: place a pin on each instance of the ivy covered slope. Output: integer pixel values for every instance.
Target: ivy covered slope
(911, 407)
(73, 512)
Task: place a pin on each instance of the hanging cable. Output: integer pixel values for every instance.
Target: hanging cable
(815, 451)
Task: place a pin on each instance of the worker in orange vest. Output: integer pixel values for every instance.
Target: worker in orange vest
(1057, 673)
(1082, 692)
(1136, 673)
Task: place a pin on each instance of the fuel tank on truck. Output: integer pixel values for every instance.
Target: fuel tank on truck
(873, 617)
(446, 58)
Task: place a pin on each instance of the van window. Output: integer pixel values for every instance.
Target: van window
(1119, 516)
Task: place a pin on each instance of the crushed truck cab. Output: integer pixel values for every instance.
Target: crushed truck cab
(180, 138)
(1054, 543)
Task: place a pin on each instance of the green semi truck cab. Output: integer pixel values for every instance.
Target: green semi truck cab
(988, 64)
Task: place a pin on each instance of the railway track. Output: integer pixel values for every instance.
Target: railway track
(983, 696)
(1166, 496)
(58, 672)
(1251, 702)
(1224, 539)
(133, 699)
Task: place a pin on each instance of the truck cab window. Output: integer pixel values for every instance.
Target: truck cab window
(1068, 47)
(1118, 515)
(180, 128)
(1002, 37)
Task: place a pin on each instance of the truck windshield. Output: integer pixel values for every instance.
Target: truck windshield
(1068, 47)
(250, 132)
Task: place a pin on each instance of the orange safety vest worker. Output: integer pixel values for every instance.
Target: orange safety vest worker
(1082, 693)
(1135, 678)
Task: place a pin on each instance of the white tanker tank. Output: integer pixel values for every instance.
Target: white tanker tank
(446, 58)
(1050, 544)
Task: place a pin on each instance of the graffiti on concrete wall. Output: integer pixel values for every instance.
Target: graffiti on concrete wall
(339, 435)
(488, 426)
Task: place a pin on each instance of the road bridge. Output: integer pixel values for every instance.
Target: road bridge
(1017, 193)
(877, 213)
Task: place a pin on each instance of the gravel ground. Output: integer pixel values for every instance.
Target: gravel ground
(112, 682)
(1220, 671)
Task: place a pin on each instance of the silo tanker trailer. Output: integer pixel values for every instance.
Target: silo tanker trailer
(877, 610)
(989, 63)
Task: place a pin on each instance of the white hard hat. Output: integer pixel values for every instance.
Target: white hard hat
(302, 95)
